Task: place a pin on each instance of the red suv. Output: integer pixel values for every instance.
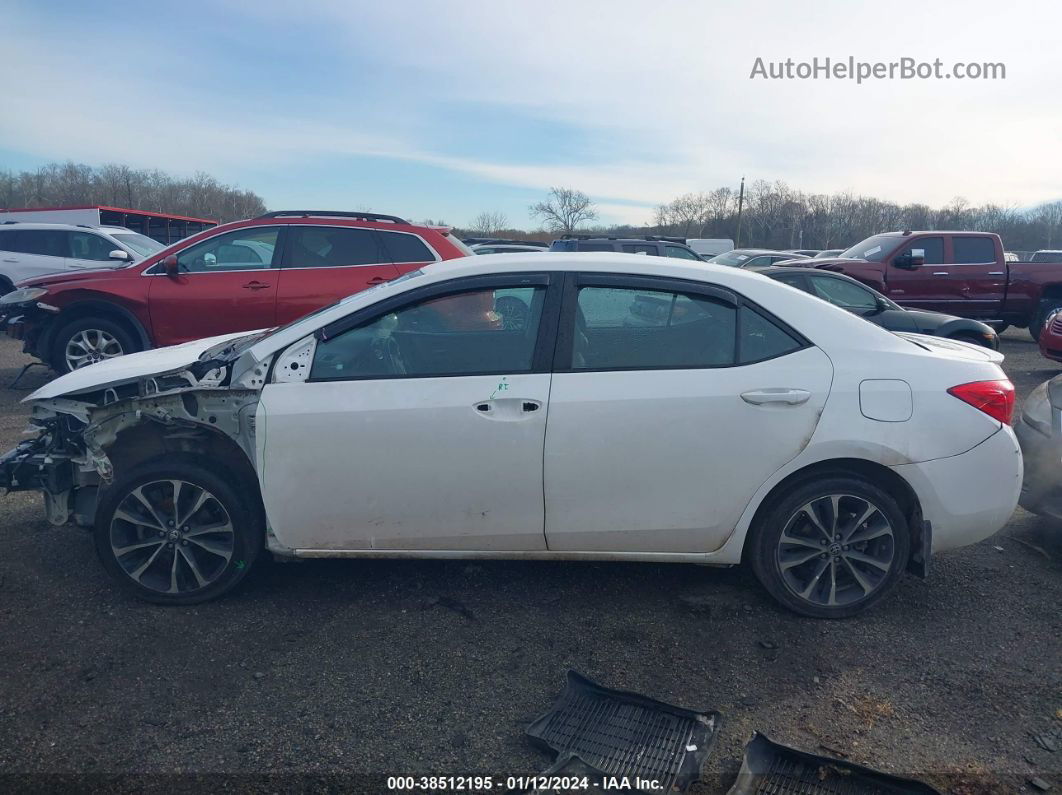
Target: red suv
(246, 275)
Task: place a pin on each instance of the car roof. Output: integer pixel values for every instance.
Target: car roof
(72, 227)
(800, 313)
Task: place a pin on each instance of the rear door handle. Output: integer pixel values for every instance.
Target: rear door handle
(941, 273)
(378, 280)
(995, 273)
(10, 260)
(255, 285)
(789, 397)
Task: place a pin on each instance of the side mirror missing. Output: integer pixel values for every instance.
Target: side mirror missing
(170, 266)
(118, 254)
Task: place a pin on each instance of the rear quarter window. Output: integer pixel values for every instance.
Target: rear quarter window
(760, 338)
(405, 248)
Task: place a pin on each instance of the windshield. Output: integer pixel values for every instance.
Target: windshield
(234, 348)
(731, 258)
(141, 244)
(873, 249)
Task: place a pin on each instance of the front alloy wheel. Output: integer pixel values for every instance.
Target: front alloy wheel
(175, 532)
(89, 346)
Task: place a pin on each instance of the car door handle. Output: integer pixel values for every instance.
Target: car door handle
(378, 280)
(509, 409)
(10, 260)
(995, 273)
(255, 285)
(790, 397)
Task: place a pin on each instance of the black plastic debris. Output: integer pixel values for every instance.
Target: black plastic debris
(627, 735)
(770, 768)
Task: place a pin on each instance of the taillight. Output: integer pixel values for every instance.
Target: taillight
(994, 398)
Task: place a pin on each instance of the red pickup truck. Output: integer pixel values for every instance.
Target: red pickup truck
(961, 273)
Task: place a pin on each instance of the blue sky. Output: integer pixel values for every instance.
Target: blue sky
(443, 110)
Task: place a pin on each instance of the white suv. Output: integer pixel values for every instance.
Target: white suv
(28, 250)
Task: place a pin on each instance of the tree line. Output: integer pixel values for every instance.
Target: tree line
(152, 190)
(775, 215)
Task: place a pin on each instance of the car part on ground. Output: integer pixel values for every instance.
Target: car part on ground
(514, 376)
(770, 768)
(627, 734)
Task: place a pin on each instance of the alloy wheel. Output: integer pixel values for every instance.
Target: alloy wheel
(89, 346)
(836, 550)
(172, 536)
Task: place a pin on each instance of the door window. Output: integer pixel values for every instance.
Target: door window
(933, 246)
(404, 248)
(85, 245)
(45, 242)
(597, 247)
(681, 253)
(639, 248)
(475, 332)
(624, 329)
(761, 260)
(973, 250)
(336, 247)
(844, 294)
(244, 249)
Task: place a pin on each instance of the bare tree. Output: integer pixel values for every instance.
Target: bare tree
(564, 210)
(1049, 216)
(488, 224)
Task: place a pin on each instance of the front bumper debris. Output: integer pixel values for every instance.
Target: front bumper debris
(28, 467)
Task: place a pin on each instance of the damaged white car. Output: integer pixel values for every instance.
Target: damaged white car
(576, 406)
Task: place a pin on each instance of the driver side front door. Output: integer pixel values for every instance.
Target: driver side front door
(421, 424)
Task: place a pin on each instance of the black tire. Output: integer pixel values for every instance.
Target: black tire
(1036, 324)
(68, 331)
(764, 548)
(200, 571)
(5, 285)
(1000, 327)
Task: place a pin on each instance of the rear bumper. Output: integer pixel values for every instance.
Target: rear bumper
(968, 497)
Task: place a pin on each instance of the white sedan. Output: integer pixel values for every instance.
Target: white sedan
(572, 407)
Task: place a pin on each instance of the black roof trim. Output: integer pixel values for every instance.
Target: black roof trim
(394, 219)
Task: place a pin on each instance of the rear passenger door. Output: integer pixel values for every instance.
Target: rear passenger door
(671, 403)
(325, 263)
(33, 252)
(982, 276)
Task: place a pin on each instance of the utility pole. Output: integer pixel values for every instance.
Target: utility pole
(741, 204)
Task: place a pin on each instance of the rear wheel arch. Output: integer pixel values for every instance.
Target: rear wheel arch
(874, 473)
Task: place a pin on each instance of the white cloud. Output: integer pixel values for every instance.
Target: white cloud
(667, 81)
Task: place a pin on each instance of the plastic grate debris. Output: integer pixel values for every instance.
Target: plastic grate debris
(627, 734)
(770, 768)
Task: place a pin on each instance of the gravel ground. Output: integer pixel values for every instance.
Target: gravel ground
(374, 668)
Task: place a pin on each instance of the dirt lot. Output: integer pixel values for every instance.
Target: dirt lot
(350, 668)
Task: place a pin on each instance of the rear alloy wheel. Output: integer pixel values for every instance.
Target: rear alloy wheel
(514, 313)
(174, 533)
(831, 548)
(88, 341)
